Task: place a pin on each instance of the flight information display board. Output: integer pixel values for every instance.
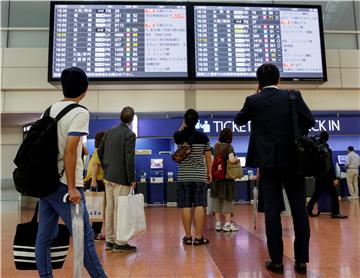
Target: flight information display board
(119, 41)
(233, 41)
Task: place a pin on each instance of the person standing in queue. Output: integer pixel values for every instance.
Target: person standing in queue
(117, 155)
(193, 174)
(272, 150)
(325, 180)
(223, 191)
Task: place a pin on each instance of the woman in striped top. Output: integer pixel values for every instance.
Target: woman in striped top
(193, 174)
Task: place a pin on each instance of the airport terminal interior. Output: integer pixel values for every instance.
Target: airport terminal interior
(163, 58)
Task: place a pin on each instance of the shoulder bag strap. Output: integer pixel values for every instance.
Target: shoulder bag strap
(293, 111)
(190, 142)
(35, 216)
(67, 109)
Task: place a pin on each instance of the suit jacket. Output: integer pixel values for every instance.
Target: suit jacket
(117, 155)
(271, 142)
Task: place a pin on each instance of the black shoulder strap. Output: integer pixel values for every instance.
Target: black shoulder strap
(293, 111)
(67, 109)
(47, 112)
(190, 141)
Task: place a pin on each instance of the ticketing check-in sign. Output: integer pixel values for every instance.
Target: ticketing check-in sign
(212, 126)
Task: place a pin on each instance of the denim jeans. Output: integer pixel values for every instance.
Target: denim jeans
(50, 209)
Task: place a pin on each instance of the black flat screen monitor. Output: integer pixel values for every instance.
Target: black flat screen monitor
(112, 41)
(232, 41)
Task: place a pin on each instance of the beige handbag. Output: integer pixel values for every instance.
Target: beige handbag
(234, 170)
(95, 203)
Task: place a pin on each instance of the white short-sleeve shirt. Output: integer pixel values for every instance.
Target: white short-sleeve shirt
(76, 123)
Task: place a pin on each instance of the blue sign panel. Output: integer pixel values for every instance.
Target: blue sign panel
(154, 127)
(97, 125)
(212, 127)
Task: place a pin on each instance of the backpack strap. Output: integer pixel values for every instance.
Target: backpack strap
(67, 109)
(47, 112)
(61, 114)
(64, 111)
(222, 152)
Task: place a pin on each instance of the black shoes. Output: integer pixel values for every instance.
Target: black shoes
(300, 268)
(109, 245)
(273, 267)
(339, 216)
(123, 248)
(279, 268)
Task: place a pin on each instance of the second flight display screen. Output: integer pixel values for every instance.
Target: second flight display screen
(234, 41)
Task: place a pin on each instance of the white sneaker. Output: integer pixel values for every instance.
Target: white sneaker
(230, 228)
(218, 226)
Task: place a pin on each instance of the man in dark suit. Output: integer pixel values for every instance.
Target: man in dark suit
(117, 155)
(272, 150)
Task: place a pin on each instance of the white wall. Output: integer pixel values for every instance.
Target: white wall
(25, 88)
(11, 137)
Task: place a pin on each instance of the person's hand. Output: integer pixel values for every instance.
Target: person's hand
(74, 196)
(209, 178)
(93, 185)
(133, 185)
(335, 182)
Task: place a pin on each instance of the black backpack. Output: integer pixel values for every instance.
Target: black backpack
(37, 173)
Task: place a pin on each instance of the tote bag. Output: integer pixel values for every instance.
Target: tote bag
(24, 245)
(234, 170)
(130, 216)
(95, 203)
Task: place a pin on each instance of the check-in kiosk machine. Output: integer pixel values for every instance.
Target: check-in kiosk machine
(141, 187)
(171, 190)
(156, 185)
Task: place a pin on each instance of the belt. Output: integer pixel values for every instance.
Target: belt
(352, 168)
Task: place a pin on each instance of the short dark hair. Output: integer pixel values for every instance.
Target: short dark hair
(191, 118)
(351, 148)
(267, 74)
(324, 136)
(226, 136)
(98, 137)
(127, 114)
(74, 82)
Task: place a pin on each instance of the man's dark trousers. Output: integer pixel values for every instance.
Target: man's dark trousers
(272, 180)
(325, 184)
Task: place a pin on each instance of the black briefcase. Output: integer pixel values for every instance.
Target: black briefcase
(24, 245)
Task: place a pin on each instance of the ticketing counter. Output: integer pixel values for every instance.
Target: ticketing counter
(156, 173)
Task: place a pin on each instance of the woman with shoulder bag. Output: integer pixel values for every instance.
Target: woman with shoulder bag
(223, 191)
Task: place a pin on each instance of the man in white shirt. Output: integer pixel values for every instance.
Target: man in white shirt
(352, 172)
(70, 129)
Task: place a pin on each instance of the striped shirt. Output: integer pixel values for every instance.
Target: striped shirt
(193, 168)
